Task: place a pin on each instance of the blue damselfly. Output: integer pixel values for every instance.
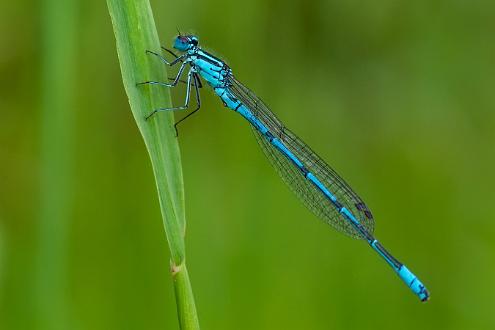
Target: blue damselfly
(318, 186)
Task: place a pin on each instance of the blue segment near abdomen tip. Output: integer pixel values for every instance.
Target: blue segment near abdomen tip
(414, 283)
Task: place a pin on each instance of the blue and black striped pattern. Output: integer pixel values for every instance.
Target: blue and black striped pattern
(318, 186)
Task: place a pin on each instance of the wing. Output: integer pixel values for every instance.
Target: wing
(311, 196)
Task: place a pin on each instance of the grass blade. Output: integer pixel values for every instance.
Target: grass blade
(135, 32)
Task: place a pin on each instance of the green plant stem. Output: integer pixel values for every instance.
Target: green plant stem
(188, 318)
(135, 33)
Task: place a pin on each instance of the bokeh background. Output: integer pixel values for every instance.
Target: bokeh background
(398, 96)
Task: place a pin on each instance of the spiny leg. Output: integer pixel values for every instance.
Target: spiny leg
(172, 84)
(196, 83)
(170, 52)
(186, 103)
(197, 80)
(169, 78)
(180, 80)
(159, 83)
(200, 85)
(164, 60)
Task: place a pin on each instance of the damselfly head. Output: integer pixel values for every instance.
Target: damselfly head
(184, 43)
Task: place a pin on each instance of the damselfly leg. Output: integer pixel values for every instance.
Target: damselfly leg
(170, 52)
(172, 84)
(198, 81)
(192, 79)
(197, 84)
(164, 60)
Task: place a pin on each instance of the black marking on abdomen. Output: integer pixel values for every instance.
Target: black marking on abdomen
(338, 205)
(305, 171)
(269, 136)
(365, 233)
(388, 255)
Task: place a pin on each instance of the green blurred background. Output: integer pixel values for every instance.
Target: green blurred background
(396, 95)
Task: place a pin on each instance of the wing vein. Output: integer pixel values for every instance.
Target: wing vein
(310, 195)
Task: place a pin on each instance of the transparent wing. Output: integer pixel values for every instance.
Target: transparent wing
(312, 198)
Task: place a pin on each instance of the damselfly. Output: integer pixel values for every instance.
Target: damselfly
(318, 186)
